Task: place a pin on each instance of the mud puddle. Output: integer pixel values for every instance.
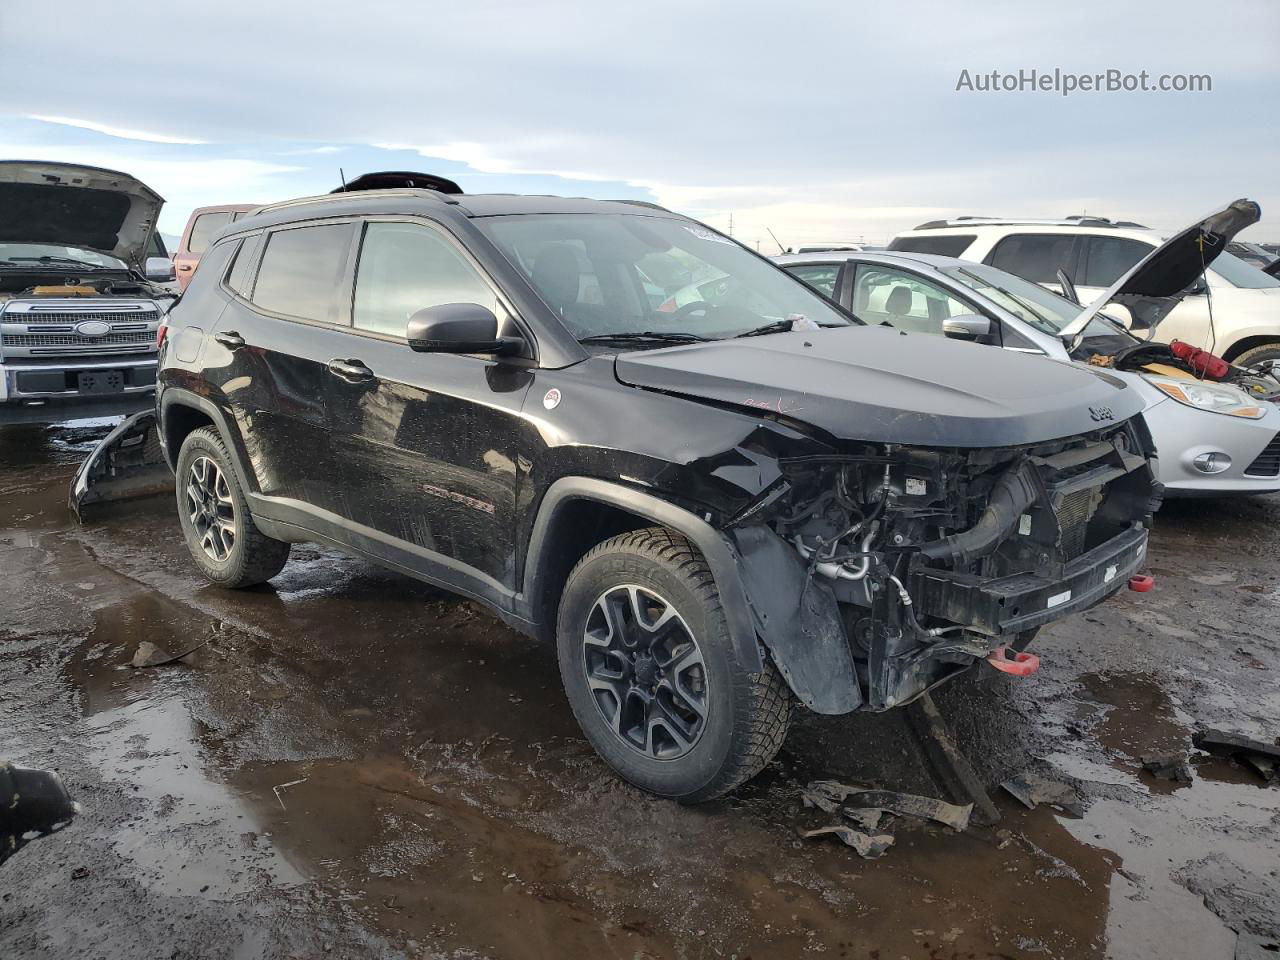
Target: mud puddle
(359, 765)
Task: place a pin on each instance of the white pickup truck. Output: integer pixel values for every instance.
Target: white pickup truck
(80, 299)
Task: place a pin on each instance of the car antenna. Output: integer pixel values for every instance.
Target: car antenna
(781, 248)
(343, 177)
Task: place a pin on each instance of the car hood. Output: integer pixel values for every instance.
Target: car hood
(1158, 282)
(101, 210)
(884, 385)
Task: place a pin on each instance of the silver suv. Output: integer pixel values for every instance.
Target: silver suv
(80, 303)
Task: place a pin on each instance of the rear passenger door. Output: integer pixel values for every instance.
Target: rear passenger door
(274, 341)
(1038, 257)
(428, 441)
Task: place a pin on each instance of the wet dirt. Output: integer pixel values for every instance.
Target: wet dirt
(354, 764)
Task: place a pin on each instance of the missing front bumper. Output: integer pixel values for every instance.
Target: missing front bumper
(1025, 601)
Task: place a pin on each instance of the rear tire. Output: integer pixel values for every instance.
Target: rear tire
(651, 675)
(1268, 351)
(224, 541)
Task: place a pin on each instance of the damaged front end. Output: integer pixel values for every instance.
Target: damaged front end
(876, 573)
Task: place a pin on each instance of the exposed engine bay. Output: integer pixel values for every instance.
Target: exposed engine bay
(933, 559)
(1181, 360)
(25, 286)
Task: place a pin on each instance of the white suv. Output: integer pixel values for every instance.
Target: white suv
(1094, 252)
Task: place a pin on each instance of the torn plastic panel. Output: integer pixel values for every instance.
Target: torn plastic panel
(895, 568)
(127, 463)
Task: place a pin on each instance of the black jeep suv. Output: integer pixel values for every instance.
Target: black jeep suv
(717, 491)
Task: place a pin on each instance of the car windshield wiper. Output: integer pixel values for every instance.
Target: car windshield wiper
(643, 336)
(49, 259)
(778, 326)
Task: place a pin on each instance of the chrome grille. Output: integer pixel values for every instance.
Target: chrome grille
(68, 318)
(75, 340)
(1267, 463)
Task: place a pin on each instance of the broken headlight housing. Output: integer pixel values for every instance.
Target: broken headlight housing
(1214, 397)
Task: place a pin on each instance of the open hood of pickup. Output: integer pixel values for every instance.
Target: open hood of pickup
(87, 207)
(878, 384)
(1158, 282)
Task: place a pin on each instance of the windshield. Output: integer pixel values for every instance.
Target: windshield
(1240, 274)
(55, 255)
(1041, 308)
(607, 274)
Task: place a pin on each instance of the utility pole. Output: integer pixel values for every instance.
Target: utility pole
(731, 223)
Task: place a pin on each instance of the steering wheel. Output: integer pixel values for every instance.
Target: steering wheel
(695, 306)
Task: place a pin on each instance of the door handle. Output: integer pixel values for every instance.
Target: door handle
(184, 267)
(229, 339)
(353, 371)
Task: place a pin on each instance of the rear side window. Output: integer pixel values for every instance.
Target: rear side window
(949, 246)
(404, 268)
(1034, 256)
(301, 270)
(240, 277)
(1107, 259)
(820, 276)
(202, 231)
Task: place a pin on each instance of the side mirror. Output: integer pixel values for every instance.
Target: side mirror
(160, 270)
(456, 328)
(967, 327)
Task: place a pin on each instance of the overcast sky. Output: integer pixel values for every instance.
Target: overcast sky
(838, 120)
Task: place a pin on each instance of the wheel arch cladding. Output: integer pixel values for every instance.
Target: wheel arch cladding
(798, 620)
(546, 553)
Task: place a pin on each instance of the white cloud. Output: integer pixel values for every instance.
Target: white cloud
(120, 132)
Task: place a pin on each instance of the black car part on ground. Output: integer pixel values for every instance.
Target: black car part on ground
(33, 803)
(127, 463)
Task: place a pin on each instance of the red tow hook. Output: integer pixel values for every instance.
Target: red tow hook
(1021, 664)
(1141, 582)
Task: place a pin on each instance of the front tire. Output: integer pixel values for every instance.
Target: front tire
(223, 540)
(651, 675)
(1268, 351)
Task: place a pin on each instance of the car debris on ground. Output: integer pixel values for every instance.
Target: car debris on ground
(867, 808)
(33, 804)
(1033, 787)
(1167, 766)
(1261, 757)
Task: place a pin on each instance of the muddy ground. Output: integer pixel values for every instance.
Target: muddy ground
(355, 765)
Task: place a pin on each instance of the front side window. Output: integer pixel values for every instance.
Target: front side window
(406, 267)
(202, 231)
(1107, 259)
(904, 300)
(821, 276)
(1033, 304)
(945, 246)
(1034, 256)
(301, 271)
(605, 274)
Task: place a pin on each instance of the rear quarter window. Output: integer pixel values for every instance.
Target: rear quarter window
(953, 245)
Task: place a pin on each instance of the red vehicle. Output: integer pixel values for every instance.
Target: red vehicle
(202, 225)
